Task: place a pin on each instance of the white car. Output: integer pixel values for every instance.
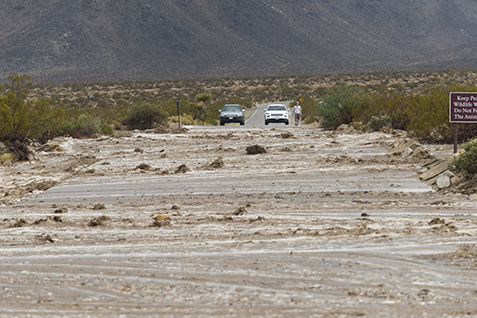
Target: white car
(276, 113)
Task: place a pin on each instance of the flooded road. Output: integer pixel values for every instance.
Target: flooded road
(324, 224)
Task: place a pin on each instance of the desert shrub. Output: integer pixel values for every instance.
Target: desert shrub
(64, 129)
(83, 126)
(466, 162)
(382, 102)
(87, 125)
(337, 107)
(106, 129)
(430, 115)
(185, 119)
(321, 92)
(204, 98)
(377, 123)
(22, 118)
(259, 94)
(144, 115)
(424, 115)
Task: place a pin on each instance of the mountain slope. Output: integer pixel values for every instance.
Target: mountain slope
(111, 40)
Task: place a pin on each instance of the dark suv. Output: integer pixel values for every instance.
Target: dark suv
(232, 113)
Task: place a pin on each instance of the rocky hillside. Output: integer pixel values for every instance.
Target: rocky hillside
(109, 40)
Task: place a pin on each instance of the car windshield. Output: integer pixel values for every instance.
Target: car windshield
(232, 108)
(277, 107)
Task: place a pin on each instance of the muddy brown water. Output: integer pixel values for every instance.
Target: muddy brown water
(314, 236)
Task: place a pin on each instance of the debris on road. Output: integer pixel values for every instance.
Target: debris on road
(255, 150)
(99, 221)
(182, 169)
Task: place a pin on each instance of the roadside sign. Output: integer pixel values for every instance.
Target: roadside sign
(463, 108)
(178, 105)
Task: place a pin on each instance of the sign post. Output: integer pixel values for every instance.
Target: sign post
(178, 105)
(462, 109)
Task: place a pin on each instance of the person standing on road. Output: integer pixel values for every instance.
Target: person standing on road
(297, 112)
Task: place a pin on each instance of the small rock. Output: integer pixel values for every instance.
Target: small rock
(260, 218)
(19, 223)
(437, 221)
(143, 166)
(162, 217)
(443, 182)
(422, 170)
(407, 152)
(216, 164)
(46, 238)
(287, 135)
(256, 149)
(99, 221)
(182, 169)
(40, 221)
(163, 220)
(240, 211)
(45, 185)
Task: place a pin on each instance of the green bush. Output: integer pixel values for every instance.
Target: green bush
(424, 115)
(377, 123)
(83, 126)
(144, 115)
(429, 113)
(337, 107)
(106, 129)
(22, 118)
(396, 105)
(466, 162)
(87, 125)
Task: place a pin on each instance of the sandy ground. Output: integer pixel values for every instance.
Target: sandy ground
(324, 224)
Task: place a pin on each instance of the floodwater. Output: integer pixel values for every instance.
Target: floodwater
(324, 224)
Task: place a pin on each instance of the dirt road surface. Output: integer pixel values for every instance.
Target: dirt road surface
(324, 224)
